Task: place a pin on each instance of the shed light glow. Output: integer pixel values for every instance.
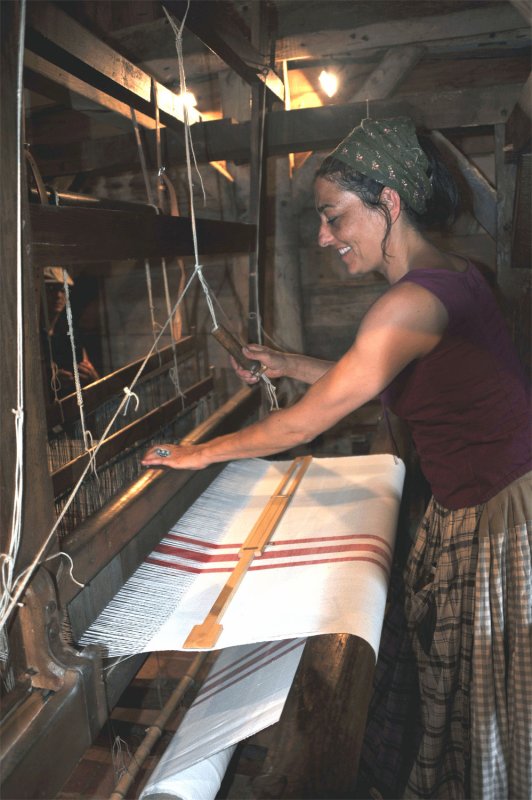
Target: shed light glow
(329, 82)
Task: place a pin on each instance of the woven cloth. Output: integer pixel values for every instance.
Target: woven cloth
(325, 570)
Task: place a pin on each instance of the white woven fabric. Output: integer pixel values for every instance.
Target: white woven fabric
(325, 571)
(244, 693)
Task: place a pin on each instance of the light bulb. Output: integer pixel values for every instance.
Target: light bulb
(329, 82)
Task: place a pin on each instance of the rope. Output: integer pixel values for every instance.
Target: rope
(87, 436)
(16, 519)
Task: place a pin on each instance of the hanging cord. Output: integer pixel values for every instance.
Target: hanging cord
(189, 148)
(87, 435)
(149, 194)
(8, 559)
(55, 383)
(161, 183)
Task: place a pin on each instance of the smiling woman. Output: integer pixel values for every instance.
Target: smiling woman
(435, 348)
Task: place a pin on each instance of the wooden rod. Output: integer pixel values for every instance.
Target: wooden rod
(155, 731)
(207, 633)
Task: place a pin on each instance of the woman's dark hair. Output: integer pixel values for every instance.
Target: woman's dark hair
(441, 208)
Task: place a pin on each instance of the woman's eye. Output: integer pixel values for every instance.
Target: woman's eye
(331, 220)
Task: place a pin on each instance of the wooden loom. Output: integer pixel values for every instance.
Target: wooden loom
(60, 698)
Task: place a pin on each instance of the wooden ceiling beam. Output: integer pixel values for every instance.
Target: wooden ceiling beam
(485, 27)
(57, 38)
(52, 81)
(217, 31)
(295, 131)
(70, 235)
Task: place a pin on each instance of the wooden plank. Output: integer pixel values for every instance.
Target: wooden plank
(137, 431)
(47, 78)
(483, 194)
(392, 70)
(56, 37)
(300, 130)
(484, 27)
(98, 392)
(519, 125)
(79, 235)
(507, 279)
(209, 22)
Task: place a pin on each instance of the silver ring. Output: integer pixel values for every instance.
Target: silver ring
(163, 452)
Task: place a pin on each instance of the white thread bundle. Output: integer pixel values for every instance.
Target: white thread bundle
(136, 604)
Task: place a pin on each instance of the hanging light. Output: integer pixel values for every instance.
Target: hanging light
(188, 99)
(329, 82)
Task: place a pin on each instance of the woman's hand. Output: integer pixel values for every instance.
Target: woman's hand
(274, 360)
(188, 456)
(87, 371)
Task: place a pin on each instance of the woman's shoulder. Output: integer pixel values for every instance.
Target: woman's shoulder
(408, 305)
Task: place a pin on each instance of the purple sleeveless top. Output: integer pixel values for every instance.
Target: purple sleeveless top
(466, 402)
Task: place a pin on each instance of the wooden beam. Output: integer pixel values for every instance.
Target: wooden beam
(483, 194)
(47, 78)
(519, 125)
(56, 37)
(507, 278)
(305, 129)
(79, 235)
(215, 29)
(485, 27)
(395, 66)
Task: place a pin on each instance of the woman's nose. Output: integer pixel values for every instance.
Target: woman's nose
(324, 235)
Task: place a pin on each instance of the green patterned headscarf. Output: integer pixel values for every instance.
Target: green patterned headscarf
(388, 151)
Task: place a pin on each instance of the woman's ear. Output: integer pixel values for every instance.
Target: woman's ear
(393, 202)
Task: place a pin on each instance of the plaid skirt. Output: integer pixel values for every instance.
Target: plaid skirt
(451, 713)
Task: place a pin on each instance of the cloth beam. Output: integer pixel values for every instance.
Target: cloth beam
(325, 570)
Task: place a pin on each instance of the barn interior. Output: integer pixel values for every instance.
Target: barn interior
(138, 139)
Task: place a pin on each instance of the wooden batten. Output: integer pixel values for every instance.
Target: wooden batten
(70, 235)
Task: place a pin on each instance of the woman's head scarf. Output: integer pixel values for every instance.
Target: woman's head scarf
(389, 152)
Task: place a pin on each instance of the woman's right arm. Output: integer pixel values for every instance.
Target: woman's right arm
(283, 365)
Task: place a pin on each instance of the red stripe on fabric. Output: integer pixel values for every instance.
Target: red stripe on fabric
(206, 558)
(310, 540)
(231, 670)
(193, 555)
(309, 551)
(240, 678)
(255, 565)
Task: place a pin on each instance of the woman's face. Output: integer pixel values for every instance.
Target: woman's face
(355, 231)
(55, 297)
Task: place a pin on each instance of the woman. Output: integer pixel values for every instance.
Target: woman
(435, 348)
